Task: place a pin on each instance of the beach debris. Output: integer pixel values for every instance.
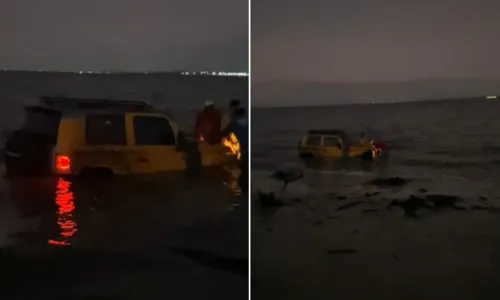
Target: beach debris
(488, 208)
(389, 182)
(411, 205)
(288, 176)
(368, 195)
(341, 197)
(432, 202)
(482, 198)
(442, 200)
(269, 200)
(349, 205)
(422, 190)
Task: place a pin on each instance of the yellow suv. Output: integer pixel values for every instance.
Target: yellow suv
(69, 136)
(334, 144)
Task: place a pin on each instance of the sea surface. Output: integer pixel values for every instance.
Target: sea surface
(134, 237)
(444, 145)
(335, 234)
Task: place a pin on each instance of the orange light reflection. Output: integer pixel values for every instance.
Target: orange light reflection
(65, 207)
(231, 142)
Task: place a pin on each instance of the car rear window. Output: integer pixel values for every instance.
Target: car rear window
(41, 122)
(313, 140)
(105, 130)
(153, 131)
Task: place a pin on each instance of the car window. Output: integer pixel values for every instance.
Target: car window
(330, 141)
(105, 130)
(45, 123)
(153, 131)
(313, 140)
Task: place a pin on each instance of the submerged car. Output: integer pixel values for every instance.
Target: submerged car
(69, 136)
(337, 144)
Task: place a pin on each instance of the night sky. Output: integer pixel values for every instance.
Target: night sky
(375, 40)
(127, 35)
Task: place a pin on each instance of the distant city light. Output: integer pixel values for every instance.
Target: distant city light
(184, 73)
(213, 73)
(491, 97)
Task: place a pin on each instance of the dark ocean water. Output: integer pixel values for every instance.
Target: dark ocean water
(180, 96)
(446, 145)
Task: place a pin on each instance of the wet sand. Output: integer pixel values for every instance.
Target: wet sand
(169, 236)
(357, 246)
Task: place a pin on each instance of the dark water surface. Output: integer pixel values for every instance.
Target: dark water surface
(336, 235)
(177, 236)
(435, 142)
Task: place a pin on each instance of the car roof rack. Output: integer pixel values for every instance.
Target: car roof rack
(89, 103)
(327, 132)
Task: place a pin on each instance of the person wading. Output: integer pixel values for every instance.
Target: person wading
(239, 127)
(208, 124)
(228, 116)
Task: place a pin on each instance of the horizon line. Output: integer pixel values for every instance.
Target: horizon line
(309, 81)
(319, 105)
(114, 71)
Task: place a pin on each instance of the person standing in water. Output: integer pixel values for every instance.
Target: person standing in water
(227, 117)
(239, 127)
(367, 147)
(364, 141)
(208, 123)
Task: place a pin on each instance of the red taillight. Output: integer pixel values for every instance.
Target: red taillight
(63, 163)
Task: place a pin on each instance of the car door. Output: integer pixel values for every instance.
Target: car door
(312, 145)
(104, 139)
(332, 146)
(154, 143)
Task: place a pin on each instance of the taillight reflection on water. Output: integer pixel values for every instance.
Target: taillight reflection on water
(65, 207)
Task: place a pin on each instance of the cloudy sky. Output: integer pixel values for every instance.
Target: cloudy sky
(374, 40)
(124, 34)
